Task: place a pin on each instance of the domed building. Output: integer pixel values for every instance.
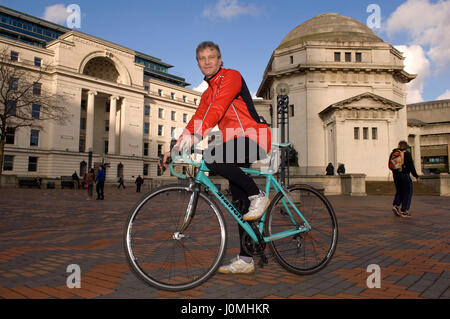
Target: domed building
(347, 96)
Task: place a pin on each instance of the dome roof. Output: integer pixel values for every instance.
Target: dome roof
(330, 27)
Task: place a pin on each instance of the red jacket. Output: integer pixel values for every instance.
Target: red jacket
(228, 104)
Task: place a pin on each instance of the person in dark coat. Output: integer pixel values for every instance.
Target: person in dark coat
(403, 182)
(341, 169)
(100, 178)
(330, 169)
(139, 181)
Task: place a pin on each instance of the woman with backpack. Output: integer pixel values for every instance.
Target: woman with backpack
(402, 165)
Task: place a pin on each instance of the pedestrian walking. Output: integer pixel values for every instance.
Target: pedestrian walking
(402, 165)
(139, 181)
(121, 182)
(76, 180)
(90, 180)
(100, 179)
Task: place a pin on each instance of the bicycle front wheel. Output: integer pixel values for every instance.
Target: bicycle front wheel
(162, 256)
(306, 252)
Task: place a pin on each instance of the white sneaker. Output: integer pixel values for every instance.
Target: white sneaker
(238, 266)
(258, 204)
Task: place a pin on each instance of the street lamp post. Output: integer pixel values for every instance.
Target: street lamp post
(282, 90)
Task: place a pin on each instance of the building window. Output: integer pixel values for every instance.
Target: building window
(358, 57)
(159, 172)
(14, 56)
(34, 138)
(35, 111)
(8, 163)
(82, 123)
(159, 92)
(11, 107)
(366, 133)
(173, 116)
(356, 133)
(37, 88)
(145, 149)
(106, 146)
(159, 149)
(337, 56)
(292, 59)
(184, 98)
(374, 133)
(172, 96)
(37, 61)
(172, 132)
(291, 110)
(348, 57)
(83, 105)
(106, 125)
(184, 118)
(145, 172)
(146, 128)
(160, 113)
(146, 87)
(82, 144)
(195, 101)
(32, 164)
(13, 84)
(160, 130)
(147, 109)
(107, 107)
(10, 135)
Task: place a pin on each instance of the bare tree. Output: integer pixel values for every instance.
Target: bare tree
(24, 100)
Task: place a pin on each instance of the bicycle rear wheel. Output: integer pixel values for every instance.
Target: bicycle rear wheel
(307, 252)
(161, 256)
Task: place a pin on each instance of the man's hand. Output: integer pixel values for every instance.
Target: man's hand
(185, 141)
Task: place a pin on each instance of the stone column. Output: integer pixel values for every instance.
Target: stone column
(90, 121)
(112, 125)
(417, 156)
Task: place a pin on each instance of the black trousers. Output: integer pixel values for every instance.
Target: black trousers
(100, 187)
(225, 160)
(404, 191)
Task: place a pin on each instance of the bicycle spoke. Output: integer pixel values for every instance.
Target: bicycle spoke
(308, 251)
(165, 258)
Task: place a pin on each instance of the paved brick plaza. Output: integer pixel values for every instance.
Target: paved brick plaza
(44, 231)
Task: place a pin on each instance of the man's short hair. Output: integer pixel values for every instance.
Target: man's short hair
(207, 45)
(403, 145)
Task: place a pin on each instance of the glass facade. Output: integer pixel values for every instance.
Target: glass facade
(26, 31)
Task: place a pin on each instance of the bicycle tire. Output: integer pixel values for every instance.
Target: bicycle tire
(166, 262)
(298, 253)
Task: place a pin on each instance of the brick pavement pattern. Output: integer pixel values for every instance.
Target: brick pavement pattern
(42, 232)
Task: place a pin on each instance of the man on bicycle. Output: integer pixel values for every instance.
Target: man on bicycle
(244, 138)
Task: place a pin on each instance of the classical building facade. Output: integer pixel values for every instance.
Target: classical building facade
(124, 106)
(346, 93)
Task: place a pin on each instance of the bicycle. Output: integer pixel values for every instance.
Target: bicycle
(175, 237)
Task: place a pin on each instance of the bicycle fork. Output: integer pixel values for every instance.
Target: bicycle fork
(190, 211)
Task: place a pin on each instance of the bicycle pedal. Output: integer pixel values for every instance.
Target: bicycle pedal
(263, 261)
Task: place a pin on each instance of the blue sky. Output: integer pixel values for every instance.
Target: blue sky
(249, 30)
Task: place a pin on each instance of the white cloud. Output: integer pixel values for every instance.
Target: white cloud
(56, 13)
(428, 25)
(444, 96)
(201, 87)
(229, 9)
(415, 63)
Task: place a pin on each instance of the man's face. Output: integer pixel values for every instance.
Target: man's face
(209, 62)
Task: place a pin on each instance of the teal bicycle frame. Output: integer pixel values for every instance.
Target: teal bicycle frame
(201, 178)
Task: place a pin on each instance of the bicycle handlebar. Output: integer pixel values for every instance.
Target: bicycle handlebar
(183, 156)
